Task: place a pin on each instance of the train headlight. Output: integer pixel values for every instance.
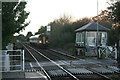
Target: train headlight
(40, 41)
(46, 41)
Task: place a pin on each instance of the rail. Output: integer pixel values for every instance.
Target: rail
(37, 62)
(99, 74)
(70, 74)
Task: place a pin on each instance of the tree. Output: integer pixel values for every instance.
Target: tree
(59, 30)
(41, 30)
(114, 14)
(63, 30)
(20, 37)
(13, 20)
(29, 34)
(114, 10)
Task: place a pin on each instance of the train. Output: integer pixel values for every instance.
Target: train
(40, 40)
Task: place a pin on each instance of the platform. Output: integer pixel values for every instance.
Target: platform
(11, 75)
(35, 75)
(23, 76)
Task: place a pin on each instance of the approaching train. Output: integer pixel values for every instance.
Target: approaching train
(40, 40)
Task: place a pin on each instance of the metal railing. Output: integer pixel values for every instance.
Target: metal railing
(12, 60)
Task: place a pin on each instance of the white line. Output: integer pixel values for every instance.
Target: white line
(38, 77)
(42, 75)
(31, 65)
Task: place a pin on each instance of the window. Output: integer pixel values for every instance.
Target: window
(80, 37)
(91, 38)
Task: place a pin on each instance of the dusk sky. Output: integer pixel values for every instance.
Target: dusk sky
(44, 11)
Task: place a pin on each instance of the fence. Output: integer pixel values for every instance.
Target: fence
(108, 52)
(12, 60)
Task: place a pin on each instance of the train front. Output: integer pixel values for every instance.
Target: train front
(40, 41)
(43, 41)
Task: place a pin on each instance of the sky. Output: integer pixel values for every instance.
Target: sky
(44, 11)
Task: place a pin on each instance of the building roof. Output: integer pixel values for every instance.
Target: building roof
(92, 26)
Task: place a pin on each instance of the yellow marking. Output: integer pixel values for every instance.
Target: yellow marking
(43, 40)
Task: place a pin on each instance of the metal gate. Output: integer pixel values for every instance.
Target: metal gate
(12, 60)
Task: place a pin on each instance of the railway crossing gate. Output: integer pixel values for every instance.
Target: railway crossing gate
(12, 60)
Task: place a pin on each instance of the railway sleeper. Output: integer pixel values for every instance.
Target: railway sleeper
(57, 73)
(103, 70)
(74, 71)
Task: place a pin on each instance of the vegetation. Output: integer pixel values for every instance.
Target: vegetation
(114, 12)
(63, 29)
(29, 34)
(13, 20)
(62, 33)
(19, 38)
(41, 30)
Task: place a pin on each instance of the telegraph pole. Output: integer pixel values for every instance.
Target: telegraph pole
(97, 31)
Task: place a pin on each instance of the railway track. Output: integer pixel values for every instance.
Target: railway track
(112, 69)
(71, 75)
(67, 71)
(69, 57)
